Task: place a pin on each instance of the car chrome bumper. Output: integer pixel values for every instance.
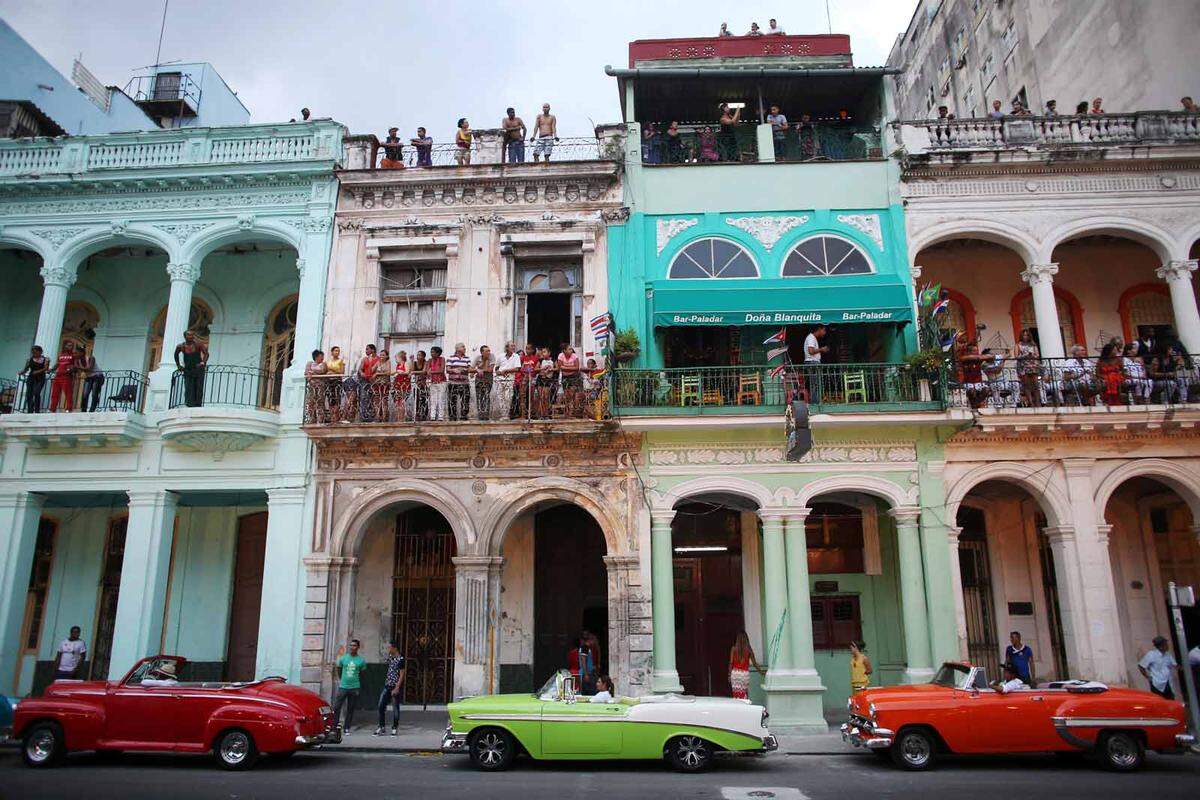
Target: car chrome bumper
(330, 736)
(454, 742)
(1184, 740)
(867, 736)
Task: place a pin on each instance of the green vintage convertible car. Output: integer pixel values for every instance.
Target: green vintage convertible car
(555, 723)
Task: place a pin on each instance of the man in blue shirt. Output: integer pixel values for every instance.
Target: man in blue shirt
(1021, 657)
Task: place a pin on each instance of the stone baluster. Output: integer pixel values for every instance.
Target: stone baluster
(1040, 278)
(1178, 275)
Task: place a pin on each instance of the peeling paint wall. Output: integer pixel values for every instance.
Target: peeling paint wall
(516, 594)
(373, 600)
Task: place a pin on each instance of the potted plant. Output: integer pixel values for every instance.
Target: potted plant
(626, 346)
(925, 364)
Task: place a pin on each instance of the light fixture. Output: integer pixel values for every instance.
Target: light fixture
(708, 548)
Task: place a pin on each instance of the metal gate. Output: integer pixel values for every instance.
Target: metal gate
(423, 605)
(110, 588)
(1050, 587)
(983, 647)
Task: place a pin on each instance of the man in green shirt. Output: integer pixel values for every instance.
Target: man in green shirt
(348, 671)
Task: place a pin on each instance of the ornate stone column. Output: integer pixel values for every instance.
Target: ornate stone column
(1178, 275)
(1040, 278)
(179, 308)
(145, 573)
(960, 606)
(665, 678)
(623, 624)
(57, 280)
(476, 609)
(799, 603)
(912, 595)
(777, 648)
(1071, 611)
(281, 611)
(20, 513)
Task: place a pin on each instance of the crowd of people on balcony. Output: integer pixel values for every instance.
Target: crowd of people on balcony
(1050, 109)
(544, 137)
(71, 365)
(773, 29)
(1138, 372)
(531, 383)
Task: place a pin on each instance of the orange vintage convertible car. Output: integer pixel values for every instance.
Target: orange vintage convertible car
(958, 713)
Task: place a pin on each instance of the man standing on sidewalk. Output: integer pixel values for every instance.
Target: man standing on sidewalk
(70, 657)
(348, 671)
(1157, 666)
(393, 688)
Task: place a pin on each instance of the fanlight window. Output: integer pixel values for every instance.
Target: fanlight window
(713, 258)
(826, 255)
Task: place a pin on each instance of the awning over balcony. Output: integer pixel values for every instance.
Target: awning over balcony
(770, 303)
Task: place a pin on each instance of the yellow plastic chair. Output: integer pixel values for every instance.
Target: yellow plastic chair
(854, 387)
(689, 389)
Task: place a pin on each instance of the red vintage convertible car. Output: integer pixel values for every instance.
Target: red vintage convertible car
(958, 713)
(148, 710)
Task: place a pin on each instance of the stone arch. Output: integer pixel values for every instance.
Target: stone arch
(723, 485)
(15, 239)
(519, 498)
(1182, 480)
(1183, 245)
(1041, 486)
(74, 251)
(234, 230)
(882, 488)
(983, 229)
(1135, 230)
(86, 294)
(347, 534)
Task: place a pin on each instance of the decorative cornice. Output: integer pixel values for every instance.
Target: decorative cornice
(182, 231)
(1036, 274)
(668, 229)
(919, 176)
(310, 224)
(865, 223)
(615, 216)
(767, 230)
(352, 224)
(850, 453)
(1177, 270)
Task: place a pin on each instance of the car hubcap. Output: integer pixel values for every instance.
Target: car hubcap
(1122, 751)
(691, 752)
(490, 749)
(234, 748)
(916, 750)
(40, 746)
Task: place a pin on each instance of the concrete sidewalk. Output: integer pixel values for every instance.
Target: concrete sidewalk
(421, 732)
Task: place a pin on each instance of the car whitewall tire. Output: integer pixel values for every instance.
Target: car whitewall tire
(43, 745)
(235, 749)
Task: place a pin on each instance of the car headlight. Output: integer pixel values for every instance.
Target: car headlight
(849, 703)
(871, 710)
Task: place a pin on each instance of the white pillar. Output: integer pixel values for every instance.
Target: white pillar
(56, 282)
(1040, 278)
(476, 634)
(665, 677)
(1178, 275)
(20, 513)
(1071, 611)
(960, 606)
(145, 573)
(282, 608)
(913, 610)
(179, 309)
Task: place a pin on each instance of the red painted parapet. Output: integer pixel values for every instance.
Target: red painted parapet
(834, 44)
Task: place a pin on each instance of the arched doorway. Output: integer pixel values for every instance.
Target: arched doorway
(200, 320)
(80, 321)
(279, 342)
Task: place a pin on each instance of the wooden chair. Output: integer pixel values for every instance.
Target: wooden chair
(713, 397)
(750, 389)
(854, 387)
(689, 389)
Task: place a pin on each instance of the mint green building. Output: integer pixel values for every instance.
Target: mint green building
(742, 237)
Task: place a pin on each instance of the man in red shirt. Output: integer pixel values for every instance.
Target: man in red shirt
(63, 385)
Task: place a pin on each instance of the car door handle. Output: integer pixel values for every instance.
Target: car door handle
(1035, 699)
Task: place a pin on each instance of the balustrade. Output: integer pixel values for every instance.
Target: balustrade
(1065, 131)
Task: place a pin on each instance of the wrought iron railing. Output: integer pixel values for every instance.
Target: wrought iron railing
(699, 144)
(827, 141)
(112, 390)
(725, 390)
(489, 150)
(1058, 131)
(408, 399)
(1008, 384)
(225, 385)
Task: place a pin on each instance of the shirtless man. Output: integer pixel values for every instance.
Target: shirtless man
(514, 137)
(545, 133)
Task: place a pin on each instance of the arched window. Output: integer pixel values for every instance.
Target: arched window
(713, 258)
(1145, 308)
(79, 326)
(960, 313)
(279, 341)
(199, 322)
(826, 255)
(1070, 317)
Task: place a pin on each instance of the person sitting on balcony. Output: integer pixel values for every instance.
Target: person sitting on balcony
(458, 383)
(674, 139)
(514, 137)
(508, 373)
(93, 382)
(484, 369)
(546, 134)
(315, 409)
(1169, 371)
(708, 145)
(773, 28)
(1029, 370)
(996, 113)
(393, 151)
(1003, 386)
(971, 363)
(727, 144)
(724, 30)
(1051, 109)
(420, 387)
(754, 31)
(35, 379)
(437, 385)
(1097, 106)
(191, 356)
(1076, 376)
(402, 388)
(1137, 381)
(1189, 105)
(779, 128)
(424, 147)
(462, 144)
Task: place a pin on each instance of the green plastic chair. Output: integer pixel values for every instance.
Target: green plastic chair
(854, 387)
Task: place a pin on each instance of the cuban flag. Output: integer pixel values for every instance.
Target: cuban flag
(778, 338)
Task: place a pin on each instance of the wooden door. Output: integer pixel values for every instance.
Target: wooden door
(110, 590)
(689, 625)
(242, 653)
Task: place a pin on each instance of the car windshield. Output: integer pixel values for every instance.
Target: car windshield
(155, 672)
(952, 676)
(551, 689)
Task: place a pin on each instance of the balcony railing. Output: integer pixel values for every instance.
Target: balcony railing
(756, 389)
(224, 385)
(170, 148)
(114, 390)
(700, 144)
(488, 147)
(405, 399)
(818, 141)
(1091, 130)
(1052, 384)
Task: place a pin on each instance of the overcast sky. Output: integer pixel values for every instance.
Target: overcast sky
(374, 64)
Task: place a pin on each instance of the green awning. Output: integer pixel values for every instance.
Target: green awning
(777, 303)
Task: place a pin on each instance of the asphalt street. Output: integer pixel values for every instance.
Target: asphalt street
(777, 777)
